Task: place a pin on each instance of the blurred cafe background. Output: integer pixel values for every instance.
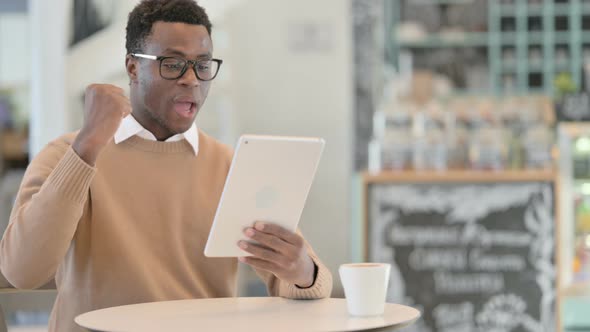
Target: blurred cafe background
(458, 137)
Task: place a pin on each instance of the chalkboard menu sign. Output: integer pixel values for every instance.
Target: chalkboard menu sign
(471, 256)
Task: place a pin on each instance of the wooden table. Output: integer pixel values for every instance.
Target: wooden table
(243, 314)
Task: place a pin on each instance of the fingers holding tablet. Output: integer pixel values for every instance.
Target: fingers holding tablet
(279, 251)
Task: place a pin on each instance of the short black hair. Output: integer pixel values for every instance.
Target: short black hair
(147, 12)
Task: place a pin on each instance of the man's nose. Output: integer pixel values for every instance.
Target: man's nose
(189, 77)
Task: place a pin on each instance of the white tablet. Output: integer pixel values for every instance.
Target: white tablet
(269, 179)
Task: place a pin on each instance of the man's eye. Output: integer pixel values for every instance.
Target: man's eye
(173, 66)
(203, 67)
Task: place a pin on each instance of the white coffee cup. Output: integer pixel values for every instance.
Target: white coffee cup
(365, 287)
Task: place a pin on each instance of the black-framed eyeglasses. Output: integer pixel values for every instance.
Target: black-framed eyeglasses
(172, 68)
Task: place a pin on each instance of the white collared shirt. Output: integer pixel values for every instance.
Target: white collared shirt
(130, 127)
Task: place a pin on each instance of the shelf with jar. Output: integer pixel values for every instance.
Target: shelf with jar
(415, 130)
(523, 44)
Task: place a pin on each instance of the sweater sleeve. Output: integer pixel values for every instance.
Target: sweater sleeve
(321, 287)
(44, 218)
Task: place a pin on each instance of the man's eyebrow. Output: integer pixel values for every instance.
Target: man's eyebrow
(174, 51)
(207, 55)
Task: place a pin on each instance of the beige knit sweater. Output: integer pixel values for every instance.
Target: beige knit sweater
(130, 230)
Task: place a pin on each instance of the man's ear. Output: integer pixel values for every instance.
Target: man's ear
(131, 66)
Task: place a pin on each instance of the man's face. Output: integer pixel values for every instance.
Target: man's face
(169, 107)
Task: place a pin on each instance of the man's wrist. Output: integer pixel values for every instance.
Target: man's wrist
(85, 150)
(315, 275)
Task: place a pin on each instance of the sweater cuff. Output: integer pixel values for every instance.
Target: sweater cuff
(321, 287)
(72, 177)
(315, 276)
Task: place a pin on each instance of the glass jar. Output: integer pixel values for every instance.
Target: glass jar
(487, 148)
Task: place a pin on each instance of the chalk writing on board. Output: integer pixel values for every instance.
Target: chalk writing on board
(505, 313)
(480, 261)
(440, 235)
(457, 283)
(473, 257)
(454, 316)
(437, 259)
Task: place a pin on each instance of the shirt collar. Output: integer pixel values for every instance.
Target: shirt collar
(130, 127)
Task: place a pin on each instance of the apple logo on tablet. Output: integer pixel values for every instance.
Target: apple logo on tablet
(266, 197)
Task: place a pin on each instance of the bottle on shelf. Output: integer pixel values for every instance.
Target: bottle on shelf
(487, 145)
(398, 141)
